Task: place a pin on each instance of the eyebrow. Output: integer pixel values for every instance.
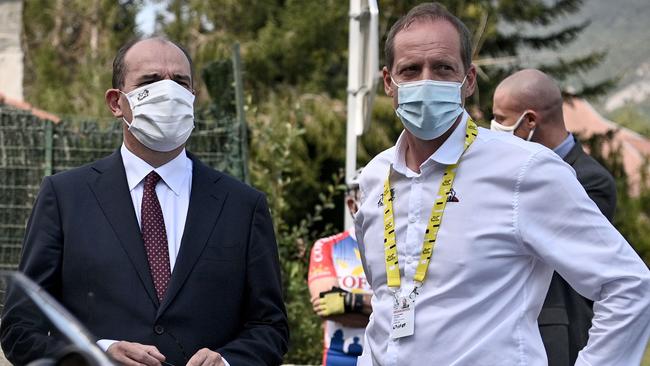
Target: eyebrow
(148, 77)
(183, 77)
(156, 76)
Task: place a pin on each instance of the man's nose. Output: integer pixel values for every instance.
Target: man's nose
(427, 74)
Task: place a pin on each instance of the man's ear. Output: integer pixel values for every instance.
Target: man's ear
(531, 119)
(388, 83)
(112, 97)
(470, 82)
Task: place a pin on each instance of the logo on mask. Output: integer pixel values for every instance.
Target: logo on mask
(143, 94)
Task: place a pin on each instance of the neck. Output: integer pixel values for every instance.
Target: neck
(418, 151)
(555, 137)
(152, 157)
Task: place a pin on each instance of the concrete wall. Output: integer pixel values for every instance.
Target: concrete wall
(11, 54)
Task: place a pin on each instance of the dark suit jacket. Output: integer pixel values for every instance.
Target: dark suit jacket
(84, 246)
(565, 318)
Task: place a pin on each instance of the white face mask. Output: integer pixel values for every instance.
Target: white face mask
(496, 126)
(163, 115)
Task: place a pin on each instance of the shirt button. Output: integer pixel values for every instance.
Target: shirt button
(412, 219)
(159, 329)
(409, 260)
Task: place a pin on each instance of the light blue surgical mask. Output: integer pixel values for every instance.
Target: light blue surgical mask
(429, 108)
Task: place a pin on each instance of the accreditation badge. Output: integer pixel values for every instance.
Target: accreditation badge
(403, 324)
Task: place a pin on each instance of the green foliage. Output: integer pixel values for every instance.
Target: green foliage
(633, 117)
(218, 77)
(632, 217)
(277, 167)
(69, 48)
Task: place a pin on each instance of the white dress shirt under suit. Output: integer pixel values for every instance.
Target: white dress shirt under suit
(518, 214)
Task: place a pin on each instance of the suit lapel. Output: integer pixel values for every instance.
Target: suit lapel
(206, 202)
(112, 192)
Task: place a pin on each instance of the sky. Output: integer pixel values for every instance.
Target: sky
(146, 18)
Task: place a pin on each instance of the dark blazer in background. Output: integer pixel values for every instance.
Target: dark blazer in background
(84, 246)
(565, 318)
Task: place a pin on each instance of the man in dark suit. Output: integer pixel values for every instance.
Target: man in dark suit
(160, 256)
(529, 105)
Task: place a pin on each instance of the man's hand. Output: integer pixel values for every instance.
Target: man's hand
(205, 357)
(135, 354)
(316, 303)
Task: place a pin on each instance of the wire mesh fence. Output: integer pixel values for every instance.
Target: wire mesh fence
(31, 148)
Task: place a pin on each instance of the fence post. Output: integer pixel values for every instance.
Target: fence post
(48, 147)
(241, 117)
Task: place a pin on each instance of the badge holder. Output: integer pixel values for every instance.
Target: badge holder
(403, 322)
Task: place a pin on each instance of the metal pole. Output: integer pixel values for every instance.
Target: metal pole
(241, 116)
(353, 88)
(47, 165)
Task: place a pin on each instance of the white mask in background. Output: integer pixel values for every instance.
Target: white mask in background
(428, 108)
(496, 126)
(163, 115)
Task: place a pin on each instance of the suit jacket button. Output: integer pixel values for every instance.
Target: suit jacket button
(159, 329)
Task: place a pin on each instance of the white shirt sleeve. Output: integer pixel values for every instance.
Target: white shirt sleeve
(559, 224)
(105, 343)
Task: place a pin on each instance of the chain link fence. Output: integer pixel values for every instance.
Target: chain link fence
(31, 148)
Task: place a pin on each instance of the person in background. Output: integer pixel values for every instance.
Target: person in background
(528, 104)
(340, 294)
(460, 228)
(161, 257)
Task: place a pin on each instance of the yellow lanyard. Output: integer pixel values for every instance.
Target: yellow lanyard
(390, 242)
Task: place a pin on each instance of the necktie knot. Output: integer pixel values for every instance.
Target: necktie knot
(151, 180)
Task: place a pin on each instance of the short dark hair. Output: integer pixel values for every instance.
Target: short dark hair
(429, 11)
(119, 67)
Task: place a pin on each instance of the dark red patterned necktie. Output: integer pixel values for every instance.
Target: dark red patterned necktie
(155, 236)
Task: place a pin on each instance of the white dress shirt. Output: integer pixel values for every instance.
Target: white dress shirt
(520, 214)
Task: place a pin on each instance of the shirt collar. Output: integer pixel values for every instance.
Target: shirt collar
(173, 173)
(448, 153)
(565, 147)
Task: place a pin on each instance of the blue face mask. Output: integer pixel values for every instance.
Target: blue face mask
(429, 108)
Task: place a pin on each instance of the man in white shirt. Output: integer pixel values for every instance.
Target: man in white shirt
(460, 228)
(162, 258)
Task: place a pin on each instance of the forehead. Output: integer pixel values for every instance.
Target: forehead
(427, 37)
(504, 102)
(155, 56)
